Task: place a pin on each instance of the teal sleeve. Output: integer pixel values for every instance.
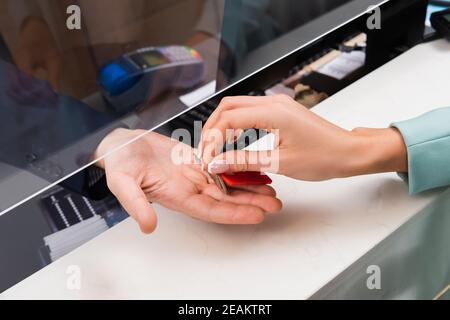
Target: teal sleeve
(428, 141)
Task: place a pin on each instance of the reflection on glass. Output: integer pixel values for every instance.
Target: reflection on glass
(62, 90)
(150, 59)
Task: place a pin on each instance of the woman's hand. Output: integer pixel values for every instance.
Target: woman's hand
(308, 147)
(157, 169)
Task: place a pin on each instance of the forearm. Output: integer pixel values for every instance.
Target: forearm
(377, 151)
(418, 148)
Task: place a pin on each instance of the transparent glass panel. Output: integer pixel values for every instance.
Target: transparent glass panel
(257, 32)
(70, 74)
(62, 91)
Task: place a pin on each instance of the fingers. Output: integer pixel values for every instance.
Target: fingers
(265, 190)
(206, 208)
(224, 128)
(268, 203)
(230, 103)
(238, 113)
(244, 161)
(133, 200)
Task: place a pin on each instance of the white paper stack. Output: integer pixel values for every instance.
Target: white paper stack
(64, 241)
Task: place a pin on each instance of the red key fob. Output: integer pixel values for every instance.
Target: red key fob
(246, 179)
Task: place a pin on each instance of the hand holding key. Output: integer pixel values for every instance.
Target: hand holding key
(308, 147)
(236, 180)
(144, 172)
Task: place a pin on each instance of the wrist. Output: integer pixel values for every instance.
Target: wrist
(377, 151)
(99, 152)
(110, 142)
(115, 140)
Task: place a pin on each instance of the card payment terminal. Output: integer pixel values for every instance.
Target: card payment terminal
(142, 75)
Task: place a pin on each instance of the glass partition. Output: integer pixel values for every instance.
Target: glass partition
(70, 74)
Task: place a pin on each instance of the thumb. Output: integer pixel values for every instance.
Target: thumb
(245, 161)
(133, 200)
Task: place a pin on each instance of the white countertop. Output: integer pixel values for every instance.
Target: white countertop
(324, 227)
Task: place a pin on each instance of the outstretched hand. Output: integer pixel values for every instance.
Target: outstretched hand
(157, 169)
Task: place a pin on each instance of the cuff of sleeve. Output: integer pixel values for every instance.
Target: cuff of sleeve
(428, 142)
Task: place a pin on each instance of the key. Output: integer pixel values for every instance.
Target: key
(217, 179)
(219, 182)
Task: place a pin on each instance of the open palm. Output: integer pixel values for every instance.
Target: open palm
(157, 169)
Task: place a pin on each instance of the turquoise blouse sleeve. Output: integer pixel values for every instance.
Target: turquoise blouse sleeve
(427, 138)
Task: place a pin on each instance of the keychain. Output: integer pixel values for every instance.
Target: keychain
(238, 179)
(213, 177)
(249, 178)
